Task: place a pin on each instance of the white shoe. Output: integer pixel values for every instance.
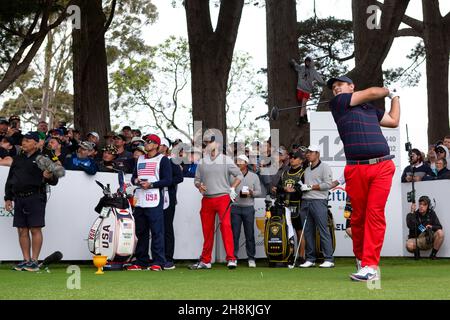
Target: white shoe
(327, 264)
(307, 264)
(251, 264)
(232, 264)
(365, 274)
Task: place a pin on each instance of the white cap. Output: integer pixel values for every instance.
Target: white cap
(243, 157)
(314, 148)
(136, 139)
(95, 134)
(165, 142)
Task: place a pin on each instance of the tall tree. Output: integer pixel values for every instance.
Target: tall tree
(25, 24)
(435, 33)
(211, 53)
(90, 77)
(282, 46)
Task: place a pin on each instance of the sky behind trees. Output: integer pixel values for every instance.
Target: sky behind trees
(252, 38)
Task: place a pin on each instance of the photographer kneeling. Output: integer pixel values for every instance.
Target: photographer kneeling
(425, 230)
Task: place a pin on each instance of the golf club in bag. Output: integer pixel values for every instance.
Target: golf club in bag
(113, 233)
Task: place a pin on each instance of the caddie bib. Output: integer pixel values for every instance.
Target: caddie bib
(148, 169)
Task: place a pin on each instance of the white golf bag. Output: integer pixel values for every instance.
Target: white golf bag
(113, 232)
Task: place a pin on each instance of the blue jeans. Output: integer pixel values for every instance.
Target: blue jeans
(245, 216)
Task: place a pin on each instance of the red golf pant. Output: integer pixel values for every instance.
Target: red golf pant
(211, 206)
(368, 187)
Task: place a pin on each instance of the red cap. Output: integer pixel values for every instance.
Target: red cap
(152, 137)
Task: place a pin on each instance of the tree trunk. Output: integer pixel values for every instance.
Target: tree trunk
(372, 45)
(46, 90)
(90, 78)
(282, 46)
(436, 47)
(211, 53)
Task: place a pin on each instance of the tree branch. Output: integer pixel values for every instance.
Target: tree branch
(412, 22)
(14, 32)
(408, 32)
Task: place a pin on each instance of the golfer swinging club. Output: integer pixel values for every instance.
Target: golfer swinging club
(369, 168)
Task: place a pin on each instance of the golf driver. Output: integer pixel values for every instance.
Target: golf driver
(275, 112)
(299, 242)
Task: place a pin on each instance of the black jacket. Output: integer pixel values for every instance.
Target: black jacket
(414, 220)
(25, 176)
(177, 177)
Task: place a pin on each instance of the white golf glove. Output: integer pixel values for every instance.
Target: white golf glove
(233, 194)
(306, 187)
(393, 93)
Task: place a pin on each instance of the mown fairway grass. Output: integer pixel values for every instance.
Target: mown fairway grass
(402, 278)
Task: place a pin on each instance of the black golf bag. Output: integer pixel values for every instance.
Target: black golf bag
(330, 224)
(278, 246)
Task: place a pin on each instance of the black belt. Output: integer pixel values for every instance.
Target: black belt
(26, 194)
(372, 161)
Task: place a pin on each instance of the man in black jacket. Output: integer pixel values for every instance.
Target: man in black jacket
(420, 221)
(26, 186)
(169, 207)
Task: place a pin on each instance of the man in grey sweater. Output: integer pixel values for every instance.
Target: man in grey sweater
(243, 210)
(314, 207)
(212, 179)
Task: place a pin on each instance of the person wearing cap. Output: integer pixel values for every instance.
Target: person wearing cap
(289, 185)
(417, 170)
(369, 169)
(243, 210)
(441, 153)
(213, 181)
(14, 130)
(106, 164)
(318, 179)
(124, 160)
(26, 187)
(136, 142)
(307, 75)
(55, 150)
(170, 199)
(136, 133)
(137, 152)
(126, 132)
(80, 159)
(420, 220)
(93, 137)
(152, 173)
